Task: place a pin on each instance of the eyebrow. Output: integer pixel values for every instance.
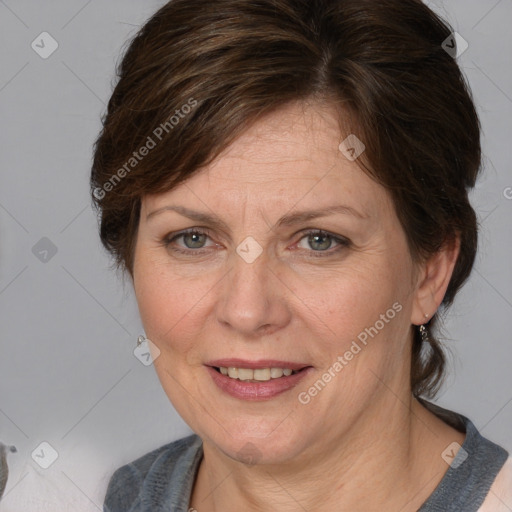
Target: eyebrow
(286, 220)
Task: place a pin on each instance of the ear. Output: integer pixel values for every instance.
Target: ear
(433, 279)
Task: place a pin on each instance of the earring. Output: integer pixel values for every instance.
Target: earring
(140, 340)
(424, 334)
(423, 330)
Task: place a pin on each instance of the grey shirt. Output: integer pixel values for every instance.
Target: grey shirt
(162, 480)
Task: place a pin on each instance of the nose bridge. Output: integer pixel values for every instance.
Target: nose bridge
(252, 297)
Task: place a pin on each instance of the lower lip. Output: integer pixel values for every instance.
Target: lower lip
(256, 391)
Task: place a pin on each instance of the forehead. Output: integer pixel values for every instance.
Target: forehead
(288, 157)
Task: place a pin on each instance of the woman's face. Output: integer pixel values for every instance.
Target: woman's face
(256, 286)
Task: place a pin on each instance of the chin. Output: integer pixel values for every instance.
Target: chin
(276, 448)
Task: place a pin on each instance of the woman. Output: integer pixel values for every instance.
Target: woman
(286, 183)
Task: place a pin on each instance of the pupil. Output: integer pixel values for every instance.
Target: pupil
(326, 243)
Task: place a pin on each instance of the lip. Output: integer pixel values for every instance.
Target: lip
(254, 365)
(257, 391)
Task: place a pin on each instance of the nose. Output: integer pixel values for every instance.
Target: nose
(253, 299)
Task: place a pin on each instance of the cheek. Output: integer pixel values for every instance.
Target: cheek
(365, 314)
(345, 301)
(170, 305)
(157, 298)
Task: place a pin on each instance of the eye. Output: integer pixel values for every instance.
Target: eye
(320, 241)
(193, 239)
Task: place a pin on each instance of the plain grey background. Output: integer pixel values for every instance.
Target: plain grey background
(69, 325)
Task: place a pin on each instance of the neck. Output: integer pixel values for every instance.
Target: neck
(385, 462)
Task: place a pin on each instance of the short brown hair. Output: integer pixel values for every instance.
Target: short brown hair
(232, 61)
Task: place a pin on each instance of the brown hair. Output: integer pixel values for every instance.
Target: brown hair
(198, 73)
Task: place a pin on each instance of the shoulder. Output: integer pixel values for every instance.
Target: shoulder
(499, 498)
(148, 478)
(477, 474)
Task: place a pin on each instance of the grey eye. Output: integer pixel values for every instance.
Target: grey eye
(198, 239)
(321, 241)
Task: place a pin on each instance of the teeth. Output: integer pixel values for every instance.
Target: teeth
(260, 374)
(245, 374)
(263, 374)
(275, 373)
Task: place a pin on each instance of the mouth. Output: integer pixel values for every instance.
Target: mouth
(256, 380)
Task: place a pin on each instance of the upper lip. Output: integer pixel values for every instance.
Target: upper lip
(254, 365)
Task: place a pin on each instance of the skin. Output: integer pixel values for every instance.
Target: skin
(362, 443)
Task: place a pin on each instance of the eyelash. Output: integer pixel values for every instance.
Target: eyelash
(343, 242)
